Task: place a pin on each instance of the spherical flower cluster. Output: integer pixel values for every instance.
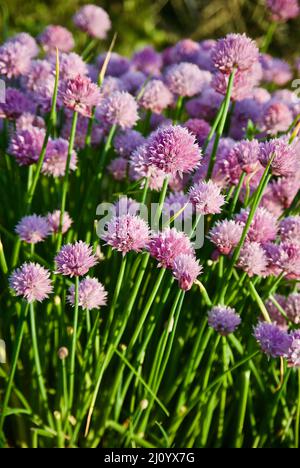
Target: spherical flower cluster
(200, 128)
(125, 206)
(16, 103)
(27, 120)
(39, 71)
(70, 66)
(294, 351)
(56, 158)
(133, 80)
(75, 259)
(283, 156)
(93, 20)
(246, 153)
(91, 295)
(206, 198)
(263, 228)
(14, 59)
(273, 341)
(243, 83)
(27, 41)
(56, 37)
(185, 79)
(292, 307)
(117, 64)
(32, 282)
(53, 220)
(223, 320)
(290, 229)
(283, 10)
(275, 70)
(235, 52)
(206, 105)
(186, 270)
(173, 150)
(165, 246)
(81, 95)
(148, 61)
(125, 143)
(120, 108)
(118, 168)
(253, 259)
(127, 233)
(276, 117)
(155, 96)
(225, 235)
(26, 145)
(140, 167)
(33, 229)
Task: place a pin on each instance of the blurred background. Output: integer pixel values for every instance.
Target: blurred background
(159, 22)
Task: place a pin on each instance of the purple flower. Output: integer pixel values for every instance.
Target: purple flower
(118, 168)
(174, 150)
(205, 106)
(117, 65)
(273, 341)
(33, 229)
(288, 259)
(275, 70)
(27, 41)
(185, 50)
(70, 66)
(243, 83)
(125, 143)
(120, 108)
(92, 294)
(247, 153)
(110, 85)
(245, 110)
(175, 202)
(226, 235)
(283, 154)
(235, 52)
(294, 351)
(185, 79)
(276, 118)
(156, 97)
(280, 194)
(263, 228)
(290, 229)
(126, 206)
(200, 128)
(26, 145)
(275, 314)
(56, 37)
(148, 61)
(283, 10)
(27, 121)
(32, 282)
(206, 198)
(53, 220)
(165, 246)
(223, 319)
(56, 158)
(75, 259)
(81, 95)
(141, 167)
(93, 20)
(133, 80)
(14, 59)
(39, 71)
(186, 270)
(292, 307)
(253, 259)
(16, 103)
(127, 233)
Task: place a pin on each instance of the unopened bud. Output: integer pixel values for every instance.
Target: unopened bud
(63, 353)
(144, 404)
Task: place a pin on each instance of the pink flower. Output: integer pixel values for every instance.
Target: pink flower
(33, 229)
(186, 270)
(283, 10)
(56, 37)
(284, 156)
(81, 95)
(141, 167)
(156, 97)
(185, 79)
(32, 282)
(53, 220)
(120, 108)
(235, 51)
(252, 259)
(206, 198)
(93, 20)
(92, 294)
(263, 228)
(127, 233)
(276, 117)
(118, 168)
(75, 259)
(165, 246)
(56, 158)
(226, 235)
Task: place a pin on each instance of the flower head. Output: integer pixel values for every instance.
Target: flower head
(206, 198)
(117, 65)
(175, 202)
(165, 246)
(53, 220)
(156, 96)
(200, 128)
(283, 10)
(120, 108)
(290, 229)
(226, 235)
(235, 51)
(148, 61)
(276, 117)
(33, 229)
(294, 351)
(14, 59)
(16, 103)
(273, 341)
(293, 307)
(173, 150)
(70, 66)
(125, 143)
(26, 40)
(186, 270)
(92, 294)
(56, 37)
(185, 79)
(32, 282)
(283, 155)
(127, 233)
(263, 228)
(247, 153)
(275, 314)
(93, 20)
(26, 145)
(118, 168)
(253, 259)
(75, 259)
(81, 95)
(141, 167)
(56, 158)
(223, 319)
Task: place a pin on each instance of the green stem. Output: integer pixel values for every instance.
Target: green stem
(297, 425)
(74, 343)
(237, 193)
(243, 399)
(162, 198)
(268, 38)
